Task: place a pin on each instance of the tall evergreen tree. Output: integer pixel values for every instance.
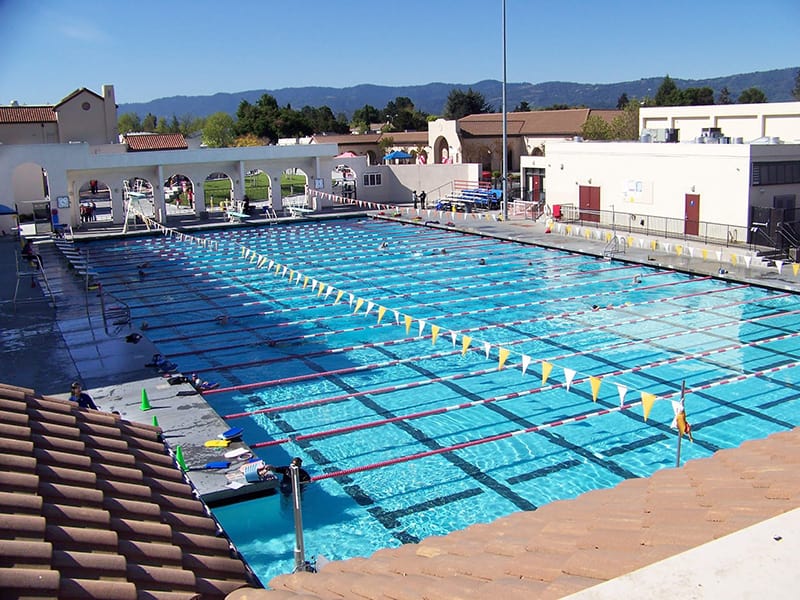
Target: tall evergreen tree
(752, 95)
(622, 101)
(668, 93)
(796, 89)
(724, 96)
(460, 104)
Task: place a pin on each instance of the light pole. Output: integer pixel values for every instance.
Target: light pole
(505, 123)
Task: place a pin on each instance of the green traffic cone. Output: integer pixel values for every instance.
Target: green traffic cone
(155, 421)
(179, 458)
(145, 401)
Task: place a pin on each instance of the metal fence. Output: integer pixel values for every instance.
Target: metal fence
(623, 222)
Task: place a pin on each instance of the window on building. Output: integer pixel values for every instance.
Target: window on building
(776, 173)
(371, 179)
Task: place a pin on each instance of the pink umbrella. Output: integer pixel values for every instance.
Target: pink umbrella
(347, 154)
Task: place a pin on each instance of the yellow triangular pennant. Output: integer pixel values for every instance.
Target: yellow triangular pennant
(465, 342)
(408, 323)
(595, 383)
(647, 403)
(434, 333)
(359, 302)
(546, 368)
(503, 354)
(381, 312)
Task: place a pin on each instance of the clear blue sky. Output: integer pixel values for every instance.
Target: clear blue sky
(150, 49)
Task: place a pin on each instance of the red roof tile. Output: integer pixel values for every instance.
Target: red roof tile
(155, 141)
(539, 122)
(569, 545)
(94, 507)
(27, 114)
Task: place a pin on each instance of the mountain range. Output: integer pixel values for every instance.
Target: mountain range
(431, 98)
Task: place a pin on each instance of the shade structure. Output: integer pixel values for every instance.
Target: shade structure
(397, 154)
(347, 154)
(7, 210)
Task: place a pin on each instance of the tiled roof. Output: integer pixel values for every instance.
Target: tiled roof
(366, 138)
(93, 506)
(406, 138)
(570, 545)
(539, 122)
(156, 141)
(27, 114)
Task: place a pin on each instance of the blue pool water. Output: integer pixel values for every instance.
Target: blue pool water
(324, 380)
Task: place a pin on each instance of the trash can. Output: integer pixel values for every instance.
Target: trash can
(556, 211)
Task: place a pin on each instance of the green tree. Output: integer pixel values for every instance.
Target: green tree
(752, 95)
(622, 101)
(150, 123)
(697, 96)
(162, 126)
(248, 140)
(596, 128)
(796, 89)
(400, 114)
(460, 104)
(625, 126)
(523, 106)
(128, 122)
(724, 96)
(259, 118)
(364, 116)
(385, 143)
(668, 93)
(218, 130)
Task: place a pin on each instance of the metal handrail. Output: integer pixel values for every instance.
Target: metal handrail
(668, 227)
(38, 271)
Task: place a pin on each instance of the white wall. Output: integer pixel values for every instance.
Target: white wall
(662, 173)
(748, 121)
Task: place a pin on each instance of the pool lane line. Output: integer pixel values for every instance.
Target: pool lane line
(282, 298)
(203, 270)
(322, 334)
(278, 297)
(457, 376)
(420, 358)
(532, 429)
(394, 342)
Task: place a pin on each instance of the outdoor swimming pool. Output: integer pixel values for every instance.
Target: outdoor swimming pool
(385, 363)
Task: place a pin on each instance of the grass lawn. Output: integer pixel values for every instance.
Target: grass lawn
(255, 186)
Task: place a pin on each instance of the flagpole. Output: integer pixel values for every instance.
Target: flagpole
(680, 435)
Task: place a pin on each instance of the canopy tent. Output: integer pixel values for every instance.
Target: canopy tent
(397, 154)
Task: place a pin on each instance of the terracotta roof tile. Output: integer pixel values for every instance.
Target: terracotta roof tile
(94, 507)
(155, 141)
(569, 545)
(27, 114)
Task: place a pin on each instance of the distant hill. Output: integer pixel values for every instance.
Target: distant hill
(431, 97)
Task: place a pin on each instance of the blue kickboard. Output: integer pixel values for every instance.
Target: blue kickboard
(232, 433)
(218, 465)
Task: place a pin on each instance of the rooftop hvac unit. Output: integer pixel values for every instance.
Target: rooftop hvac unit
(672, 136)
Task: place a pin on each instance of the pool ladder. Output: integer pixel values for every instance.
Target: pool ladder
(614, 247)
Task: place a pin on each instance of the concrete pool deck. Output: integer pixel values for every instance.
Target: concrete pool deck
(46, 349)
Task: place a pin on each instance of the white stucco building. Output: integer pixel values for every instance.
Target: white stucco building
(742, 185)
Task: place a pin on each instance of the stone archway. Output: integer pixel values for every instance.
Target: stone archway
(441, 151)
(179, 194)
(94, 201)
(217, 191)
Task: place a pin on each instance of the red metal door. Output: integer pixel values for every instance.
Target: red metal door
(692, 215)
(589, 203)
